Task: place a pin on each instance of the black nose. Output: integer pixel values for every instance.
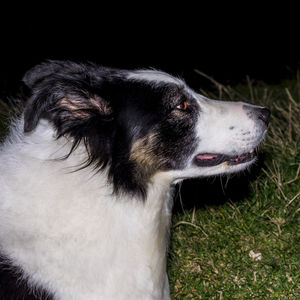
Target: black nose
(263, 114)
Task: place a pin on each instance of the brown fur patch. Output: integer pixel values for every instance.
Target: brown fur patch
(147, 163)
(79, 107)
(75, 107)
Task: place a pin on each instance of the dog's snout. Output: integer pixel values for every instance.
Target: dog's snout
(263, 114)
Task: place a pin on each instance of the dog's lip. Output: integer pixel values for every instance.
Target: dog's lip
(213, 159)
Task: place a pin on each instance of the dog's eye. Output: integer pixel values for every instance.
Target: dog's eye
(182, 106)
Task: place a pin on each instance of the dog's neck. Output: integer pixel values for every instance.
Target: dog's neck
(77, 237)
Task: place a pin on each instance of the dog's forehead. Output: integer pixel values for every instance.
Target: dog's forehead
(157, 78)
(154, 77)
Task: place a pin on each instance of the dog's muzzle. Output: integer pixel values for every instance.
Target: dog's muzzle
(256, 113)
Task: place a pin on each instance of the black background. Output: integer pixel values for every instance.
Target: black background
(226, 43)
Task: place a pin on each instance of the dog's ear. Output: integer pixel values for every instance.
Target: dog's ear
(67, 94)
(42, 71)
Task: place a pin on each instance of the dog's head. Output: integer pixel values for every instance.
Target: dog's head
(137, 124)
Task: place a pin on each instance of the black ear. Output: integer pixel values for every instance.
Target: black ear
(66, 93)
(42, 71)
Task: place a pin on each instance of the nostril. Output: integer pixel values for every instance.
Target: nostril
(258, 113)
(264, 115)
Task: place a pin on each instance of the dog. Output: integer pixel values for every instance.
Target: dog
(87, 174)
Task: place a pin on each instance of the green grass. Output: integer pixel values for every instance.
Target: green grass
(248, 247)
(240, 242)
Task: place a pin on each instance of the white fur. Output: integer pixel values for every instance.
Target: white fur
(154, 76)
(47, 213)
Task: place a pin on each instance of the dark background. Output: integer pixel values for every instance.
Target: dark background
(225, 44)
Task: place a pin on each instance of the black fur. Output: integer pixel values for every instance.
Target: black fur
(109, 113)
(14, 287)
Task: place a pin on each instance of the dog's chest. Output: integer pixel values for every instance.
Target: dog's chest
(70, 236)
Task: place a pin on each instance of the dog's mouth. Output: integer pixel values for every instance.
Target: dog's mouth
(214, 159)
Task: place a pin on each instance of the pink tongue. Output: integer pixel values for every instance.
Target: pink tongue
(206, 156)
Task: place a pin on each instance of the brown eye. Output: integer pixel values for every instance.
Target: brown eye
(182, 106)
